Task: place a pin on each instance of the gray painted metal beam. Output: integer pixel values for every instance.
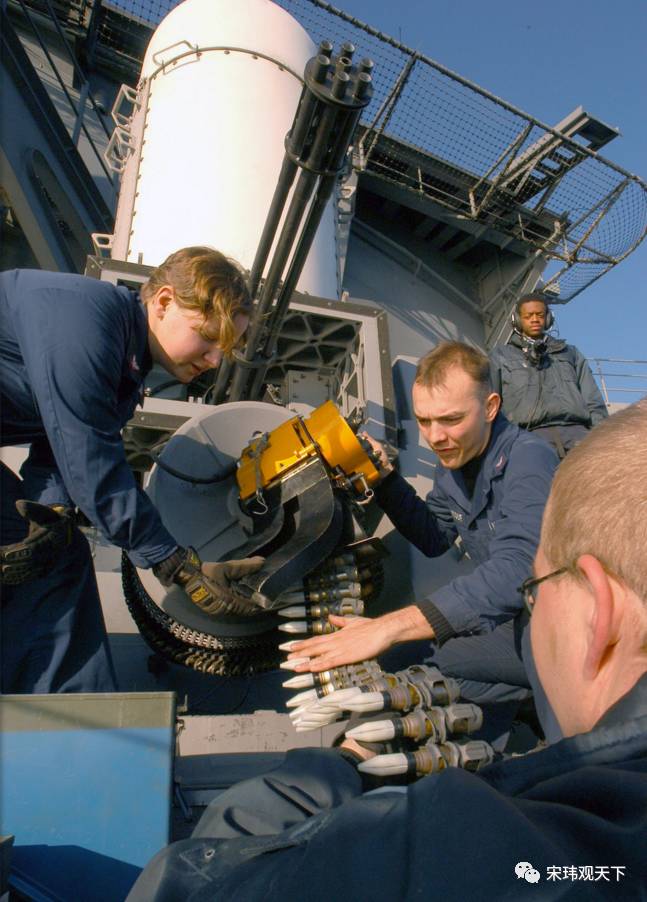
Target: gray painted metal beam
(442, 237)
(30, 126)
(467, 243)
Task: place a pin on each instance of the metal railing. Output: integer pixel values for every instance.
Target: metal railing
(621, 381)
(446, 138)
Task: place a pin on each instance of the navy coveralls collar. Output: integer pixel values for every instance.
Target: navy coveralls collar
(553, 345)
(138, 357)
(494, 459)
(624, 726)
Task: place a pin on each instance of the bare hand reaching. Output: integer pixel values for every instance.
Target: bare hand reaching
(360, 638)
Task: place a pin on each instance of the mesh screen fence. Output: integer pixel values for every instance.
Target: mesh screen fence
(602, 212)
(430, 131)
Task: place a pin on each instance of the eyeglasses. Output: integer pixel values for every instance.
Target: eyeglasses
(528, 587)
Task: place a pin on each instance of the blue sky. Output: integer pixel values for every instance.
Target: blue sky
(547, 59)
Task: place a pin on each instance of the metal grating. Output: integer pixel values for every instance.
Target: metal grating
(431, 131)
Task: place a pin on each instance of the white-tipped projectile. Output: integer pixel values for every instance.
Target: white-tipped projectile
(377, 731)
(300, 681)
(339, 698)
(294, 626)
(385, 765)
(288, 646)
(304, 711)
(301, 697)
(296, 713)
(314, 722)
(294, 611)
(293, 663)
(317, 715)
(366, 702)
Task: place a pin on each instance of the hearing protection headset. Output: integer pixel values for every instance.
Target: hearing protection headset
(514, 316)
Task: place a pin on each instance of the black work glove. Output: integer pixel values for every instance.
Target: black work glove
(209, 586)
(50, 531)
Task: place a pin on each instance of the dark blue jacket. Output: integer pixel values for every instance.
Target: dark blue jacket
(560, 391)
(575, 811)
(73, 356)
(499, 527)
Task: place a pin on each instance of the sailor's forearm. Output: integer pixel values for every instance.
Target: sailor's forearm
(361, 638)
(407, 625)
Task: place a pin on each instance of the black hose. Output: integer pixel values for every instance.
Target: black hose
(195, 480)
(151, 392)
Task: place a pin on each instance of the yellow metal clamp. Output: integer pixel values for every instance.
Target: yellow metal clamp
(326, 434)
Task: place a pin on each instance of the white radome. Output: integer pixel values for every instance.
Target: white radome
(224, 83)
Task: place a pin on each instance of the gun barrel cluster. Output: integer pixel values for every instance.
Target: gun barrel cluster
(335, 92)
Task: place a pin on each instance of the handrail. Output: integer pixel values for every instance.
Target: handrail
(449, 140)
(624, 383)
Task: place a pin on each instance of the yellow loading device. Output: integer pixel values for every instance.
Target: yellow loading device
(324, 434)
